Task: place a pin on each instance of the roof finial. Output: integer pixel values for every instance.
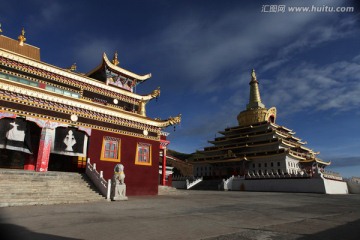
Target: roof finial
(115, 60)
(73, 67)
(253, 74)
(255, 100)
(0, 29)
(22, 37)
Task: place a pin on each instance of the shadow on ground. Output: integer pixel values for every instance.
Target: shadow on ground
(349, 231)
(12, 231)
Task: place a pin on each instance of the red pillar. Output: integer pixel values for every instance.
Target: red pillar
(29, 162)
(44, 150)
(163, 182)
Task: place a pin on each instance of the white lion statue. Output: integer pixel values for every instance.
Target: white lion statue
(118, 184)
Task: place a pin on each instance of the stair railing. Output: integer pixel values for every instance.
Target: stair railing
(193, 183)
(98, 179)
(227, 184)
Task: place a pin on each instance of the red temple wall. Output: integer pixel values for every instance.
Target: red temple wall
(139, 179)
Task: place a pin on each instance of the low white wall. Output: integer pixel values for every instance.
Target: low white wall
(310, 185)
(335, 187)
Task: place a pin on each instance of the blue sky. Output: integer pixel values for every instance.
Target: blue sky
(201, 54)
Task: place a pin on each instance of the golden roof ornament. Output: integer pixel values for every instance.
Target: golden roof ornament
(22, 37)
(115, 60)
(0, 29)
(73, 67)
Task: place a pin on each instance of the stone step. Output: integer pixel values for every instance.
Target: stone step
(38, 175)
(40, 185)
(47, 202)
(19, 187)
(42, 197)
(46, 190)
(44, 200)
(16, 187)
(64, 189)
(45, 193)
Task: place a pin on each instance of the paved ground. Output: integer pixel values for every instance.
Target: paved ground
(191, 215)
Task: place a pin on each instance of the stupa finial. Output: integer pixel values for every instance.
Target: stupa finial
(254, 100)
(22, 37)
(253, 74)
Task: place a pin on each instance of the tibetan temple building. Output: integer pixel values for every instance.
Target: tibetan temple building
(258, 148)
(54, 119)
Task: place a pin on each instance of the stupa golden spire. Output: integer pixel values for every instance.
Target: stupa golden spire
(256, 111)
(255, 99)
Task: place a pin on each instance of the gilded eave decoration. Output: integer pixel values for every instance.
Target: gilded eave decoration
(63, 76)
(25, 96)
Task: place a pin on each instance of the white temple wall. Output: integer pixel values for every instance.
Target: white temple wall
(275, 164)
(335, 187)
(292, 165)
(308, 185)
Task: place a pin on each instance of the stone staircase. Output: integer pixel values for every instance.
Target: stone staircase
(20, 188)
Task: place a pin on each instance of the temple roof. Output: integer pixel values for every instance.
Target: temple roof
(15, 46)
(31, 65)
(106, 63)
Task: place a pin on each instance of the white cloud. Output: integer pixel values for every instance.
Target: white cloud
(48, 13)
(51, 11)
(335, 86)
(205, 50)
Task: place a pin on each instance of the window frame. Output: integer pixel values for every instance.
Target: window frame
(107, 139)
(137, 158)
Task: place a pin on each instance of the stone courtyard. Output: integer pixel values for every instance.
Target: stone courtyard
(191, 215)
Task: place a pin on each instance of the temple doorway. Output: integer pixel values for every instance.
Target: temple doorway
(63, 163)
(12, 159)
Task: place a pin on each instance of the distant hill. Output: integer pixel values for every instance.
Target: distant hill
(182, 156)
(179, 155)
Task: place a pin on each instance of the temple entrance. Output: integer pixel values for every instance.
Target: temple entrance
(12, 159)
(11, 155)
(63, 163)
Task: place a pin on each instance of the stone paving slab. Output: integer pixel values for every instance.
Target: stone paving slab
(206, 215)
